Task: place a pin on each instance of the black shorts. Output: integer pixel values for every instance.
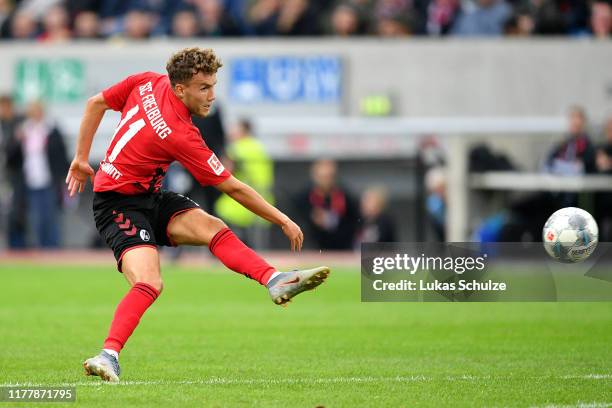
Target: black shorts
(128, 221)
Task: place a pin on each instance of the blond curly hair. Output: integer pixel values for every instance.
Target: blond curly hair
(186, 63)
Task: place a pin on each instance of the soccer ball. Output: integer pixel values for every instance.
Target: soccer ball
(570, 235)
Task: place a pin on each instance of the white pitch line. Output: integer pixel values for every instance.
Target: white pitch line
(580, 405)
(331, 380)
(588, 377)
(247, 381)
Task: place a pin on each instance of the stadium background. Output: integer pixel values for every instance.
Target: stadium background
(376, 106)
(513, 94)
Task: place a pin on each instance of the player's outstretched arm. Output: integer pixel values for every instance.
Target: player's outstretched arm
(254, 202)
(80, 170)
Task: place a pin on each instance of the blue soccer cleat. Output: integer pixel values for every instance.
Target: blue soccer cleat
(103, 365)
(289, 284)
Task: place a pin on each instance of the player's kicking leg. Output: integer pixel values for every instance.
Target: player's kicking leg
(199, 228)
(140, 266)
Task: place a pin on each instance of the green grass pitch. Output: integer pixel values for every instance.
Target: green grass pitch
(214, 339)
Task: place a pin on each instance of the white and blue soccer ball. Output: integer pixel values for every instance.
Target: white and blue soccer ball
(570, 235)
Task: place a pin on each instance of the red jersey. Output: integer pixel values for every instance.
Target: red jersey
(155, 130)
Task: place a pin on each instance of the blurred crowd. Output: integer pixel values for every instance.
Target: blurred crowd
(35, 162)
(65, 20)
(586, 149)
(335, 219)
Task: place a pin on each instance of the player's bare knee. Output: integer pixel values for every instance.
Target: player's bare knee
(216, 225)
(208, 229)
(155, 281)
(194, 228)
(158, 284)
(148, 274)
(151, 276)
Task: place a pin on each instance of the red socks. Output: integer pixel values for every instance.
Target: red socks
(128, 314)
(238, 257)
(224, 245)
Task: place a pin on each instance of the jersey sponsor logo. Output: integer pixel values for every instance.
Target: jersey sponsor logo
(110, 170)
(144, 235)
(215, 164)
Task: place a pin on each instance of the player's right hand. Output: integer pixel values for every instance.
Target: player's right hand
(79, 172)
(294, 233)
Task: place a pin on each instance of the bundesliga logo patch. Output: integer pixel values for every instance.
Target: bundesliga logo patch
(215, 164)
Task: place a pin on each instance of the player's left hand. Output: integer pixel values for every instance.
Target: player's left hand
(79, 172)
(294, 233)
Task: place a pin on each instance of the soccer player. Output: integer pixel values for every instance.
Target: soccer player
(134, 216)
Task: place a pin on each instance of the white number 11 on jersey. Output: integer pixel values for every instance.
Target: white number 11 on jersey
(129, 133)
